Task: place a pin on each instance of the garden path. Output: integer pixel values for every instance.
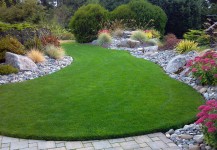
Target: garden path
(155, 141)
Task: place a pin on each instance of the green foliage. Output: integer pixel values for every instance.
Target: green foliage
(104, 39)
(87, 21)
(33, 43)
(28, 11)
(139, 35)
(146, 12)
(112, 4)
(18, 26)
(122, 12)
(10, 44)
(188, 11)
(7, 69)
(186, 46)
(198, 36)
(210, 138)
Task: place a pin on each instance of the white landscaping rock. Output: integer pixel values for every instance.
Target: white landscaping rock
(198, 138)
(20, 62)
(176, 63)
(151, 48)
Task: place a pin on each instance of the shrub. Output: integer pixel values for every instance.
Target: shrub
(36, 56)
(10, 44)
(18, 26)
(204, 68)
(186, 46)
(198, 36)
(33, 43)
(145, 11)
(104, 39)
(87, 21)
(7, 69)
(50, 40)
(170, 41)
(54, 52)
(122, 12)
(208, 119)
(139, 35)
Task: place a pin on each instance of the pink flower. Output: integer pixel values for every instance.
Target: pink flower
(194, 69)
(202, 107)
(209, 124)
(212, 116)
(211, 130)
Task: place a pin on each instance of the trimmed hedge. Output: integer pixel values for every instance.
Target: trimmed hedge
(87, 21)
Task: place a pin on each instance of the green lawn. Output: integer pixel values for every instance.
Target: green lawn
(103, 94)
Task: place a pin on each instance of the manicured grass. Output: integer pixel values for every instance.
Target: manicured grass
(103, 94)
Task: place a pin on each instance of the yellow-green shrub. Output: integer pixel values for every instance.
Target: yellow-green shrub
(139, 35)
(54, 52)
(10, 44)
(36, 55)
(186, 46)
(104, 39)
(7, 69)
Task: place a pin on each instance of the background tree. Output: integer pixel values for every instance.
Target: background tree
(182, 15)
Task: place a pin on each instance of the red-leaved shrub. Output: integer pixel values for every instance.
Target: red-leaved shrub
(170, 41)
(50, 40)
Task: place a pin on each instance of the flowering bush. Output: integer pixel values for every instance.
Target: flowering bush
(208, 118)
(50, 40)
(205, 68)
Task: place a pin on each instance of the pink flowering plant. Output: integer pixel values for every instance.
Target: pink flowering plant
(208, 118)
(204, 68)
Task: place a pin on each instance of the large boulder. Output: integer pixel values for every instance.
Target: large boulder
(176, 63)
(20, 62)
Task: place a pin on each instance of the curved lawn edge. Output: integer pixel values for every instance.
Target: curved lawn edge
(161, 129)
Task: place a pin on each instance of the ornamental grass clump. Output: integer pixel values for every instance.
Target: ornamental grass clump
(186, 46)
(139, 35)
(36, 56)
(104, 38)
(208, 118)
(204, 68)
(54, 52)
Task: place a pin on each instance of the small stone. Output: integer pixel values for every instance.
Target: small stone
(171, 131)
(174, 135)
(185, 136)
(198, 138)
(208, 147)
(194, 147)
(203, 90)
(168, 135)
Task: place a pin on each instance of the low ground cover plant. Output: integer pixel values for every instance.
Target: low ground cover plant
(208, 118)
(54, 52)
(36, 56)
(186, 46)
(7, 69)
(33, 43)
(204, 68)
